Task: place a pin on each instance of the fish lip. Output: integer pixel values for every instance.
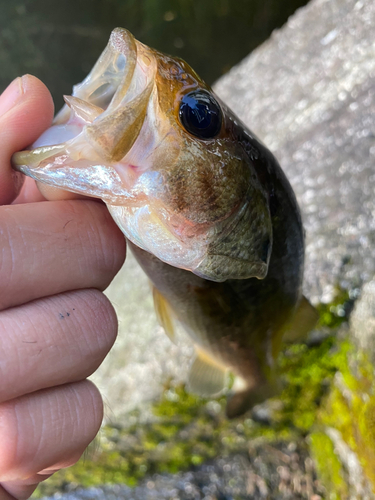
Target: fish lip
(112, 74)
(117, 68)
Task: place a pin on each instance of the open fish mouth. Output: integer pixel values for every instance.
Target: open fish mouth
(98, 125)
(120, 138)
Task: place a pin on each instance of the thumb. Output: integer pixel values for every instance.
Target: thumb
(26, 110)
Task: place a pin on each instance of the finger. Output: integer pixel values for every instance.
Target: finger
(49, 429)
(26, 110)
(32, 191)
(54, 341)
(53, 247)
(22, 490)
(4, 495)
(53, 193)
(29, 193)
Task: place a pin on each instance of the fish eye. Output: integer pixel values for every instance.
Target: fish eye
(200, 114)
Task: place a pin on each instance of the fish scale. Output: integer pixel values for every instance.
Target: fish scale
(208, 212)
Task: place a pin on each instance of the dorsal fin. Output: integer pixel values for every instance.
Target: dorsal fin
(164, 313)
(304, 320)
(207, 376)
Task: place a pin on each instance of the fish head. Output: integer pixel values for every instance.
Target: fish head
(146, 135)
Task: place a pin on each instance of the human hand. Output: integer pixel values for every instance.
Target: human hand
(56, 326)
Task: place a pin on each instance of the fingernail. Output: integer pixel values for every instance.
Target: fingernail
(11, 95)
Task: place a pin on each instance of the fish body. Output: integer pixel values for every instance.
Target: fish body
(239, 324)
(209, 213)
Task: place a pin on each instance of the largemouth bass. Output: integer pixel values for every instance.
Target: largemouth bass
(208, 212)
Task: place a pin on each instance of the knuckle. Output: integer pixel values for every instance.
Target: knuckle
(9, 441)
(89, 419)
(101, 326)
(49, 429)
(110, 241)
(102, 242)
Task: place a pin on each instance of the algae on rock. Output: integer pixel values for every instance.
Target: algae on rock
(186, 431)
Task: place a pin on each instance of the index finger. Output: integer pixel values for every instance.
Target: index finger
(26, 110)
(53, 247)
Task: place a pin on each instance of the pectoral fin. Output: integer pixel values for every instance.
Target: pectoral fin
(207, 377)
(303, 322)
(164, 313)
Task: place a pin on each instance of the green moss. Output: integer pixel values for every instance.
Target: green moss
(332, 315)
(328, 466)
(308, 373)
(367, 422)
(350, 409)
(187, 430)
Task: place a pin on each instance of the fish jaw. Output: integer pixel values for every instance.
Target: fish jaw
(98, 125)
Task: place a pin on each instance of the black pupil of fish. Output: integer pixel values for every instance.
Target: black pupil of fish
(200, 114)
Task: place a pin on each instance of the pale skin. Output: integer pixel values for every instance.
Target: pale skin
(56, 326)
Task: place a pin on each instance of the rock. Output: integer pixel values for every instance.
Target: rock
(309, 94)
(362, 320)
(273, 473)
(359, 487)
